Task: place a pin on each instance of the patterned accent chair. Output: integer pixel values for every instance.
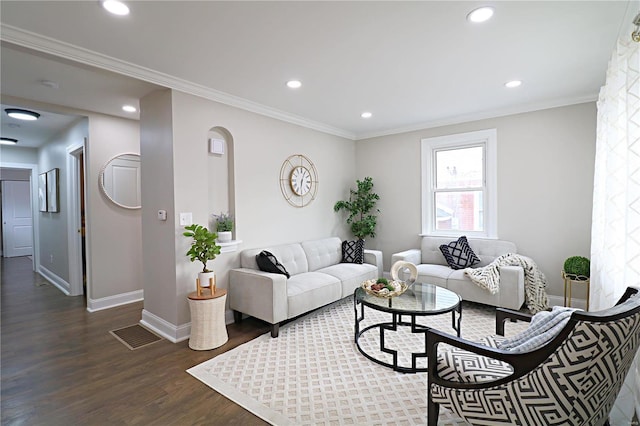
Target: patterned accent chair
(573, 379)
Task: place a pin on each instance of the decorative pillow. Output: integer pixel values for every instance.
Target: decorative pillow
(458, 254)
(267, 262)
(353, 251)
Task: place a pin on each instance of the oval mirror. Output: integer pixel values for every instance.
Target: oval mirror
(120, 180)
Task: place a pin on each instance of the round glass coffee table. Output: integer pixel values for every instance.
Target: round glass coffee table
(419, 300)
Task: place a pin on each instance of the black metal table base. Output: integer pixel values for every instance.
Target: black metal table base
(396, 321)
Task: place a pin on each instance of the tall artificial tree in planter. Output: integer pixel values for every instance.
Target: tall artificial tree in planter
(203, 248)
(362, 209)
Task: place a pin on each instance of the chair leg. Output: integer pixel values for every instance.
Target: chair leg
(237, 317)
(433, 410)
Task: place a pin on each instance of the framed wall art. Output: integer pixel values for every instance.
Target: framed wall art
(53, 193)
(42, 191)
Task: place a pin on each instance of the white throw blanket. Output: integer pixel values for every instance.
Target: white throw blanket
(488, 278)
(544, 327)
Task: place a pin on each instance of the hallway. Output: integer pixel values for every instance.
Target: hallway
(61, 366)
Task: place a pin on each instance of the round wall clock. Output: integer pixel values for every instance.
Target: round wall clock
(298, 180)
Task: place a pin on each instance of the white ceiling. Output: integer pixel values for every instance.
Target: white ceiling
(412, 64)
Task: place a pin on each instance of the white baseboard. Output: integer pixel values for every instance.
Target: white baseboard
(94, 305)
(60, 283)
(169, 331)
(559, 301)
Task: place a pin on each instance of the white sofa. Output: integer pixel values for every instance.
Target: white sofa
(433, 268)
(317, 279)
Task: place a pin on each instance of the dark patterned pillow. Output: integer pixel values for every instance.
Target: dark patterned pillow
(353, 251)
(458, 254)
(267, 262)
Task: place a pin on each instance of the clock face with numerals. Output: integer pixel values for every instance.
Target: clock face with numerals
(298, 180)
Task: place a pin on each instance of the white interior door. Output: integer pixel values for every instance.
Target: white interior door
(17, 220)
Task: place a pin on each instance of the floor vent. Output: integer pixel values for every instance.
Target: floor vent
(135, 336)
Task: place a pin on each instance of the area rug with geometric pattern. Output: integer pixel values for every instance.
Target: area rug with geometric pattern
(313, 373)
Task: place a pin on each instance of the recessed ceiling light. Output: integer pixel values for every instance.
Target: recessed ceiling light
(116, 7)
(129, 108)
(294, 84)
(513, 83)
(480, 14)
(22, 114)
(366, 115)
(8, 141)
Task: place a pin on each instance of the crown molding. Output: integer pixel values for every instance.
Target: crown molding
(520, 109)
(40, 43)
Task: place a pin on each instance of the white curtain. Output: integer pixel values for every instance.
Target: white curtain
(615, 233)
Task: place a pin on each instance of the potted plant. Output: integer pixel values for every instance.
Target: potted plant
(224, 226)
(577, 268)
(203, 248)
(362, 208)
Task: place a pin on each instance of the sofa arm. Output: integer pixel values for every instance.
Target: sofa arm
(374, 257)
(511, 287)
(413, 255)
(262, 295)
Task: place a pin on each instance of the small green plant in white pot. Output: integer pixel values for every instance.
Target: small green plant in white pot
(203, 248)
(224, 227)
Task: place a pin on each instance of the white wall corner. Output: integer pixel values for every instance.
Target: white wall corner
(169, 331)
(54, 279)
(113, 301)
(559, 301)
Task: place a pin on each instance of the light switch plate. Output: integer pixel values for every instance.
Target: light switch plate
(186, 219)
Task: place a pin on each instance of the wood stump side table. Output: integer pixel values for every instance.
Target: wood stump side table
(208, 328)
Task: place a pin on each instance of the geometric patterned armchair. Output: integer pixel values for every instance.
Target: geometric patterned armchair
(573, 379)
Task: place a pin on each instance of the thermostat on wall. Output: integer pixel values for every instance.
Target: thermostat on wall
(216, 146)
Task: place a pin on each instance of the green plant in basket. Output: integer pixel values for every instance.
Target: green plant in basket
(382, 281)
(577, 265)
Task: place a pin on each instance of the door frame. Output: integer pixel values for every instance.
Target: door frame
(35, 262)
(74, 220)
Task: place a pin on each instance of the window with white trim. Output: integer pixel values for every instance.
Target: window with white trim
(459, 185)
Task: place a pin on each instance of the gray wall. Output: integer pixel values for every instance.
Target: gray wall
(264, 217)
(545, 184)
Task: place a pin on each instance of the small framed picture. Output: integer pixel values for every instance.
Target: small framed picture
(53, 194)
(42, 191)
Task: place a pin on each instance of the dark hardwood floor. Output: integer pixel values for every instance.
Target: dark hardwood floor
(61, 366)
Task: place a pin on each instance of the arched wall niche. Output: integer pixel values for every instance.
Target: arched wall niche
(221, 174)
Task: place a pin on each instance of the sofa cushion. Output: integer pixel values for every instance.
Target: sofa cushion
(458, 365)
(351, 275)
(311, 290)
(291, 256)
(267, 262)
(434, 274)
(322, 253)
(459, 254)
(486, 249)
(353, 251)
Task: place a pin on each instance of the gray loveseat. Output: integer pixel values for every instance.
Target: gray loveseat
(317, 279)
(433, 268)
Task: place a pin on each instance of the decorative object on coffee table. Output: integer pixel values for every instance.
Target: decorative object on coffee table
(203, 248)
(382, 287)
(208, 328)
(400, 267)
